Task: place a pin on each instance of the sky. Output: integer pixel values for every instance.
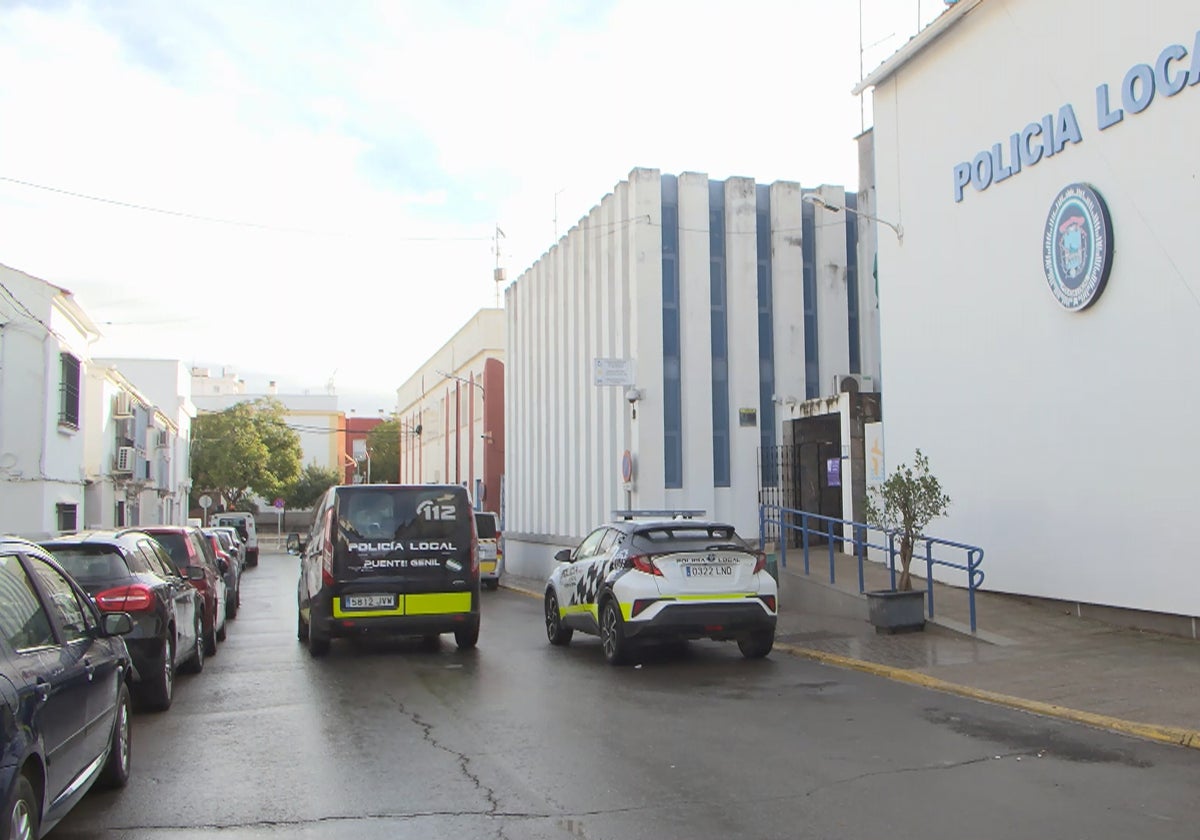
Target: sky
(309, 192)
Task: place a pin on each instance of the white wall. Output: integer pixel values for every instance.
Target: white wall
(1062, 437)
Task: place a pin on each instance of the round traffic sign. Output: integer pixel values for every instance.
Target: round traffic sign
(626, 466)
(279, 504)
(206, 501)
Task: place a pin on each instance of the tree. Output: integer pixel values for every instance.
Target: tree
(905, 503)
(383, 444)
(245, 449)
(309, 486)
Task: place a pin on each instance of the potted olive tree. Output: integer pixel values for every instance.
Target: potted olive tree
(903, 505)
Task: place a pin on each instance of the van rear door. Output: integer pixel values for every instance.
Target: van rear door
(404, 538)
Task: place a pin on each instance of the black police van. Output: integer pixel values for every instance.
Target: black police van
(390, 559)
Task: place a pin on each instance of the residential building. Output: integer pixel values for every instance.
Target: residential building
(673, 345)
(451, 412)
(44, 346)
(1041, 312)
(356, 463)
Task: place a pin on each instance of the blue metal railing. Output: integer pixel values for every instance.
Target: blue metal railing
(787, 521)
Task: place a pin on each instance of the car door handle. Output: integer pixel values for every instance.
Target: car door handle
(90, 669)
(43, 690)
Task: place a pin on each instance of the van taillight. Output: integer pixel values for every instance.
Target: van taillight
(327, 550)
(135, 598)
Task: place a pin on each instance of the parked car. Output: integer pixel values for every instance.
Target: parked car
(232, 572)
(129, 571)
(190, 552)
(237, 544)
(634, 579)
(64, 701)
(389, 558)
(244, 523)
(491, 553)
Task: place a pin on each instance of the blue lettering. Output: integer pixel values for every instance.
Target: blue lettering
(1068, 128)
(1194, 75)
(1135, 103)
(1108, 117)
(1168, 83)
(1030, 156)
(981, 171)
(1049, 147)
(962, 177)
(1014, 153)
(998, 167)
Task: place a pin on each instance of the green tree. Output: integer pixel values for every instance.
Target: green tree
(906, 502)
(245, 449)
(308, 487)
(383, 445)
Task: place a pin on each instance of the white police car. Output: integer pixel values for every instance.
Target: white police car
(662, 578)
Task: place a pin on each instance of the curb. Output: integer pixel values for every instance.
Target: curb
(1173, 735)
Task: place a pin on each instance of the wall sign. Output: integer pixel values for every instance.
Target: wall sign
(1077, 246)
(1051, 134)
(833, 472)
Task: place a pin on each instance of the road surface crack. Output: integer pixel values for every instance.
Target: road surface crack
(919, 768)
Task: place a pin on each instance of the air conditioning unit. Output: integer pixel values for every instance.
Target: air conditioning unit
(123, 404)
(853, 383)
(125, 458)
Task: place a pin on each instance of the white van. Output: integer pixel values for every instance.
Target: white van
(244, 523)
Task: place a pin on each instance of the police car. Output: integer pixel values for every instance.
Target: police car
(662, 575)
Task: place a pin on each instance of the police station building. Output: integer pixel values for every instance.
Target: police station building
(1040, 316)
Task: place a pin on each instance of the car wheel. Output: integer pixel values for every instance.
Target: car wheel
(195, 664)
(22, 812)
(252, 558)
(157, 690)
(612, 633)
(210, 639)
(757, 645)
(556, 631)
(301, 626)
(116, 768)
(467, 637)
(223, 630)
(231, 606)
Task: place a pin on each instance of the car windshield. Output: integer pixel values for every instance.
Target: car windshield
(90, 563)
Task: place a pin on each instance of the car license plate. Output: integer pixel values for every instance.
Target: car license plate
(369, 602)
(709, 570)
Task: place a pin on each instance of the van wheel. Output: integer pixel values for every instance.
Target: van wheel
(318, 645)
(252, 557)
(467, 637)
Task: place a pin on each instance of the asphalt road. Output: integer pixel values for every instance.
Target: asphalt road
(521, 740)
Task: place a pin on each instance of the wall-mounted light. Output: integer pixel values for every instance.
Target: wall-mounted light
(817, 201)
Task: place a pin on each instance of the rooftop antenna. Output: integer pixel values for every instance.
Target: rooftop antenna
(498, 272)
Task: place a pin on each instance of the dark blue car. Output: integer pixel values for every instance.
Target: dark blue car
(64, 698)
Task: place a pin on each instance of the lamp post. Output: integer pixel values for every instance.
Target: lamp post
(817, 201)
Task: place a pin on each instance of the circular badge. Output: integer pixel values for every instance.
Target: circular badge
(1077, 246)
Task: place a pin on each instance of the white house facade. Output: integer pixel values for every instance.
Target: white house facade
(665, 349)
(1041, 314)
(44, 341)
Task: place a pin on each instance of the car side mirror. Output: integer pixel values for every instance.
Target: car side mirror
(294, 546)
(563, 555)
(223, 565)
(194, 573)
(117, 624)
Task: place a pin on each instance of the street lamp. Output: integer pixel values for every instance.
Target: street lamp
(478, 385)
(818, 201)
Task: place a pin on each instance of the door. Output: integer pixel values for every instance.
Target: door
(181, 594)
(83, 649)
(581, 582)
(47, 675)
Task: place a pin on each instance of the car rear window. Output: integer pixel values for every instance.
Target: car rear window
(176, 546)
(692, 537)
(389, 513)
(91, 564)
(485, 526)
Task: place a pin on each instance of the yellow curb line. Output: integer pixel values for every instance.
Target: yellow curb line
(1164, 734)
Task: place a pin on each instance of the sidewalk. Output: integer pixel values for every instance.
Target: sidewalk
(1027, 654)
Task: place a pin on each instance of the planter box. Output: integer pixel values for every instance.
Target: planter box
(896, 612)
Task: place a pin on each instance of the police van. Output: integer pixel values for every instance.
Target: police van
(389, 559)
(244, 524)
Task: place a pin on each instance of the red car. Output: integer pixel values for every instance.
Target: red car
(232, 571)
(189, 549)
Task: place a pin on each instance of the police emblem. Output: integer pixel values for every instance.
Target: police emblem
(1077, 246)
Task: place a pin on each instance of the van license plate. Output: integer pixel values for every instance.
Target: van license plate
(369, 602)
